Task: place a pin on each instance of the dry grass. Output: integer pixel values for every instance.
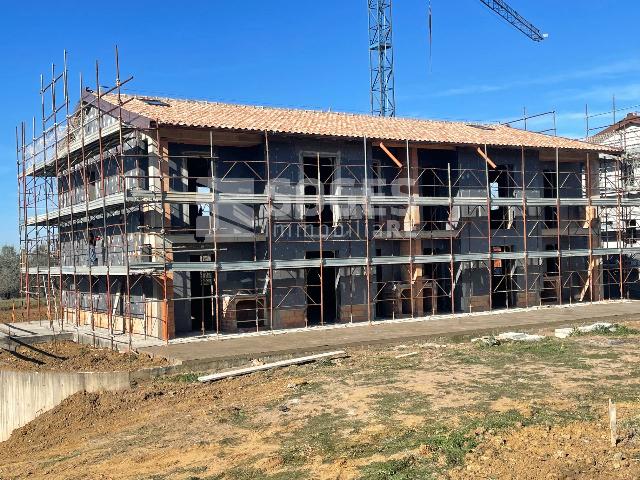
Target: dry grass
(512, 411)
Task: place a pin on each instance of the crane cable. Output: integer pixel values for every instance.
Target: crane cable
(430, 22)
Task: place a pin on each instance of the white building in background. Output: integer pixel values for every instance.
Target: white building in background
(620, 226)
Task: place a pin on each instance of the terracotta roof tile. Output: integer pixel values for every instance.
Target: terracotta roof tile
(203, 114)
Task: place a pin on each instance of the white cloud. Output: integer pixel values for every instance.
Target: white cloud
(603, 93)
(611, 70)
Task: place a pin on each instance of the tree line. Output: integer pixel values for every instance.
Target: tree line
(9, 272)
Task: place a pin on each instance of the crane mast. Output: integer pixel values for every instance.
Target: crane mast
(383, 102)
(382, 92)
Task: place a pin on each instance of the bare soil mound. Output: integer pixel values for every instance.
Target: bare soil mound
(574, 451)
(69, 356)
(455, 411)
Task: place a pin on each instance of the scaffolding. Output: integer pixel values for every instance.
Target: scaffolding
(125, 233)
(618, 178)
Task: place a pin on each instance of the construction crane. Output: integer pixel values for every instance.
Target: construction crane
(381, 49)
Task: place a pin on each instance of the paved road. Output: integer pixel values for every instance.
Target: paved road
(314, 340)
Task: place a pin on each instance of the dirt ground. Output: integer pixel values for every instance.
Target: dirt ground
(15, 310)
(69, 356)
(416, 411)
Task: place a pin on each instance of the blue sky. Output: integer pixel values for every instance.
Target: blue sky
(314, 55)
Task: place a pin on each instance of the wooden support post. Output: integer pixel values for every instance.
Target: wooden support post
(366, 229)
(451, 259)
(320, 207)
(489, 233)
(589, 218)
(525, 233)
(613, 423)
(410, 232)
(269, 225)
(168, 322)
(214, 211)
(558, 223)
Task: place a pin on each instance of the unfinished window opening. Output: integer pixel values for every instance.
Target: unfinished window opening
(199, 181)
(92, 186)
(550, 188)
(139, 175)
(435, 167)
(501, 185)
(631, 231)
(551, 263)
(318, 180)
(377, 182)
(377, 188)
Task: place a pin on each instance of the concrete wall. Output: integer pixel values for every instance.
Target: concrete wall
(25, 395)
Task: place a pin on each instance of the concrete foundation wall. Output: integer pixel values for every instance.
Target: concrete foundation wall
(25, 395)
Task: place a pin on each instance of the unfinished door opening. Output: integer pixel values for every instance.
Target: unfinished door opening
(380, 307)
(430, 290)
(321, 291)
(502, 280)
(551, 277)
(202, 291)
(437, 282)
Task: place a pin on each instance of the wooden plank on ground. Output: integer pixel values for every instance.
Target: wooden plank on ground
(267, 366)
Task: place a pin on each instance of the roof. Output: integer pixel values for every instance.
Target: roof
(214, 115)
(604, 135)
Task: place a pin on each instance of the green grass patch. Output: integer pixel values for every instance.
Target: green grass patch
(58, 459)
(400, 402)
(549, 351)
(408, 468)
(323, 435)
(298, 391)
(182, 378)
(236, 416)
(383, 369)
(250, 473)
(618, 331)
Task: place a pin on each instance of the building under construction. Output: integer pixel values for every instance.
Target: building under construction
(619, 225)
(168, 217)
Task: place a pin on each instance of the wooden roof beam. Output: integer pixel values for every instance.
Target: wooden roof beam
(486, 157)
(391, 155)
